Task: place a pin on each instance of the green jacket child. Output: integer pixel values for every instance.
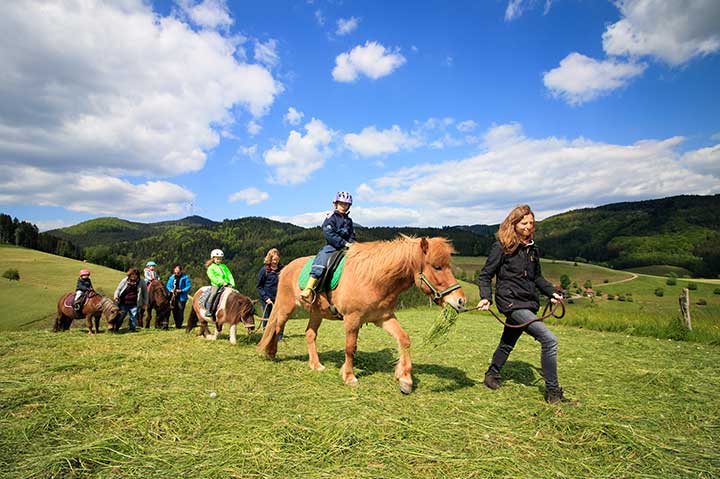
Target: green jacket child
(219, 275)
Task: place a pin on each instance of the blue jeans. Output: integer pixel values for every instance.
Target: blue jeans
(320, 261)
(541, 333)
(132, 312)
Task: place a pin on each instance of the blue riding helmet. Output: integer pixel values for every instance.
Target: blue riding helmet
(150, 263)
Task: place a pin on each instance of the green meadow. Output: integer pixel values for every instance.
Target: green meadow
(166, 404)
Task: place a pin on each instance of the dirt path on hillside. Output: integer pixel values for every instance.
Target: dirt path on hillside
(634, 276)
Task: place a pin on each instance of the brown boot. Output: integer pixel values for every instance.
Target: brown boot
(492, 381)
(556, 396)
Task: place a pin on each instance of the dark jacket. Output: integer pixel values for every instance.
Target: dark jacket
(267, 283)
(338, 230)
(84, 285)
(184, 286)
(518, 278)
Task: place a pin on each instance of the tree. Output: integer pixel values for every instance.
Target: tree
(565, 281)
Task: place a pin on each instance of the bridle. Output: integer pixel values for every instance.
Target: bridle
(437, 295)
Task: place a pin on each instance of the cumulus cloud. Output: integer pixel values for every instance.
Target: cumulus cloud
(371, 142)
(347, 25)
(551, 174)
(301, 155)
(266, 53)
(372, 60)
(208, 13)
(379, 216)
(253, 128)
(94, 194)
(47, 225)
(580, 79)
(251, 196)
(672, 31)
(704, 161)
(135, 93)
(293, 116)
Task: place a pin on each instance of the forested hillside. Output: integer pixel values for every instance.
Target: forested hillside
(679, 231)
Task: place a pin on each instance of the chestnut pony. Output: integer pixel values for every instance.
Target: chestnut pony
(233, 309)
(374, 275)
(96, 305)
(159, 300)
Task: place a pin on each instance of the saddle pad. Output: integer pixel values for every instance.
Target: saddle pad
(305, 273)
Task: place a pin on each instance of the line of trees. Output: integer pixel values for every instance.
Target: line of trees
(27, 235)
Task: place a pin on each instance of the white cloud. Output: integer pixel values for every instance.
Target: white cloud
(671, 30)
(47, 225)
(293, 116)
(247, 150)
(253, 127)
(466, 126)
(580, 79)
(301, 155)
(94, 194)
(266, 53)
(380, 216)
(251, 196)
(372, 60)
(347, 25)
(319, 18)
(551, 174)
(135, 93)
(514, 9)
(208, 13)
(704, 161)
(371, 142)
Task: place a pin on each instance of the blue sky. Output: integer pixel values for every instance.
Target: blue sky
(430, 113)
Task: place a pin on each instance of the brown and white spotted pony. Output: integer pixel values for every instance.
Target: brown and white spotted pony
(374, 275)
(96, 306)
(233, 309)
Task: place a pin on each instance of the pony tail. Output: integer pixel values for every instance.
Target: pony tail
(269, 337)
(208, 263)
(192, 320)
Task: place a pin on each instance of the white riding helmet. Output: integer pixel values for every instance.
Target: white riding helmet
(218, 253)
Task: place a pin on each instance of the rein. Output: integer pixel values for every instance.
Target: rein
(545, 314)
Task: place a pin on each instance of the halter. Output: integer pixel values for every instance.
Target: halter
(436, 295)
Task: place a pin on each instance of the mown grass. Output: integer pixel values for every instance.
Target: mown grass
(31, 302)
(139, 406)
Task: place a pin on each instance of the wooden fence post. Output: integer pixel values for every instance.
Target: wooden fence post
(685, 308)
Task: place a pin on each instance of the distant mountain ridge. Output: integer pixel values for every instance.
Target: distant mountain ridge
(679, 231)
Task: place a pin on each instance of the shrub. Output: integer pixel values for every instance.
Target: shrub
(564, 281)
(12, 274)
(716, 291)
(671, 281)
(630, 299)
(659, 292)
(588, 284)
(621, 298)
(611, 297)
(701, 302)
(692, 286)
(605, 281)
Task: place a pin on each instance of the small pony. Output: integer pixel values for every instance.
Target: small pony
(96, 305)
(233, 309)
(159, 300)
(375, 274)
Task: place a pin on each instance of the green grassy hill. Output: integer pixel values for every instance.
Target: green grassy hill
(31, 302)
(141, 406)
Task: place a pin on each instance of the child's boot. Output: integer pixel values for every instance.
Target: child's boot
(306, 293)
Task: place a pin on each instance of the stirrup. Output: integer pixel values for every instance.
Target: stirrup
(310, 298)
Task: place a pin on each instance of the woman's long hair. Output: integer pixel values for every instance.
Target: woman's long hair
(507, 235)
(270, 254)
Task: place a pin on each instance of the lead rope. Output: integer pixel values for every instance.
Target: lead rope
(545, 314)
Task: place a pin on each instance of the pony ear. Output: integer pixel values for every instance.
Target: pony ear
(424, 245)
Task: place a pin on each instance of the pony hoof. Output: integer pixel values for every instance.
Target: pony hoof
(406, 386)
(319, 367)
(233, 341)
(352, 382)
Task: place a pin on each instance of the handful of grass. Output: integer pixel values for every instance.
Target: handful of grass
(441, 328)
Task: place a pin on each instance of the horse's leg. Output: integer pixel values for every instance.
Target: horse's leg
(352, 327)
(97, 324)
(89, 323)
(213, 336)
(58, 322)
(310, 335)
(233, 338)
(403, 370)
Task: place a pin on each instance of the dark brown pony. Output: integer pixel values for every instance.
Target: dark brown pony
(374, 276)
(159, 300)
(233, 309)
(96, 305)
